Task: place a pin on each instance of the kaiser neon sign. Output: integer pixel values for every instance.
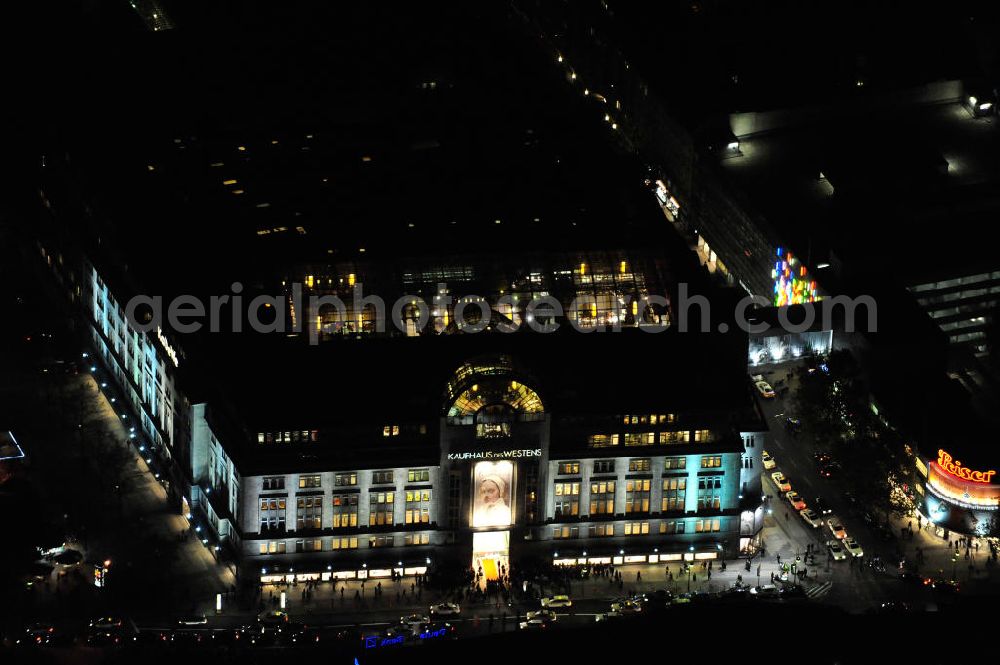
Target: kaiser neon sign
(955, 468)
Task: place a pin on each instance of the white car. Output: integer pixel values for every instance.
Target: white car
(769, 462)
(795, 500)
(836, 550)
(764, 388)
(852, 547)
(414, 620)
(781, 482)
(540, 615)
(766, 591)
(536, 623)
(811, 518)
(557, 601)
(445, 609)
(836, 528)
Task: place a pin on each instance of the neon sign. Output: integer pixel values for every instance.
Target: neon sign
(496, 454)
(171, 351)
(375, 641)
(956, 469)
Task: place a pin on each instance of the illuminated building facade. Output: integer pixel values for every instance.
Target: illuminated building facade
(792, 283)
(512, 462)
(957, 497)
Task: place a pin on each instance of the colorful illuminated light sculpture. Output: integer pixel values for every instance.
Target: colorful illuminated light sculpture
(792, 285)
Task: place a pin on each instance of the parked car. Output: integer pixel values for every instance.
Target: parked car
(796, 500)
(769, 462)
(836, 528)
(811, 518)
(764, 388)
(781, 482)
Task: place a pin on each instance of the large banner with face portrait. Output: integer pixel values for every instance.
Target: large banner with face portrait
(493, 486)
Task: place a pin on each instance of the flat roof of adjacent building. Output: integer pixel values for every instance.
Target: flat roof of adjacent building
(889, 191)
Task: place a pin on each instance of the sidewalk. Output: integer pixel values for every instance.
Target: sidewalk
(941, 558)
(125, 514)
(404, 597)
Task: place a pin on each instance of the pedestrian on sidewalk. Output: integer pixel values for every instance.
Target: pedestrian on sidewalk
(638, 576)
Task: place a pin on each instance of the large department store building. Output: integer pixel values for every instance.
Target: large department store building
(344, 447)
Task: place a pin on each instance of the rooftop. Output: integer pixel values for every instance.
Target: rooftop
(358, 134)
(880, 190)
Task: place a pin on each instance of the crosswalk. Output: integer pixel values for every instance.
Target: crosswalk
(819, 590)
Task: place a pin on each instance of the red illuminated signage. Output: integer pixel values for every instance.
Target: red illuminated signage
(955, 468)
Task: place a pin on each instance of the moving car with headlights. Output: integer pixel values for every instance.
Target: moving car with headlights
(414, 621)
(37, 633)
(811, 518)
(557, 601)
(536, 623)
(852, 547)
(781, 482)
(541, 614)
(626, 606)
(795, 500)
(836, 550)
(836, 528)
(765, 591)
(445, 609)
